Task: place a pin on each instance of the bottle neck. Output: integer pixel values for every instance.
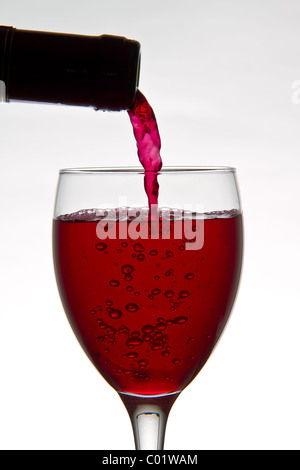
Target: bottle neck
(97, 71)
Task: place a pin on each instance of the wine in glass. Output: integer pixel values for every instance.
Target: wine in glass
(148, 290)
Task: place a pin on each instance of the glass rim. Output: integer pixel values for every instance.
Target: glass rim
(140, 170)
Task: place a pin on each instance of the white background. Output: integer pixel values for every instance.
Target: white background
(219, 75)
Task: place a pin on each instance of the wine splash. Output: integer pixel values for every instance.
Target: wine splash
(148, 141)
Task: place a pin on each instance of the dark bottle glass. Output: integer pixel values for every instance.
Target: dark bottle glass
(97, 71)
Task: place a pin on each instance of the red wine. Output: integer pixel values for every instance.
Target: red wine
(147, 312)
(147, 137)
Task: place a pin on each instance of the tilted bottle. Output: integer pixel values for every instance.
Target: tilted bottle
(97, 71)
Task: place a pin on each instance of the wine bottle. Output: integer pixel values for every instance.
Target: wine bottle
(70, 69)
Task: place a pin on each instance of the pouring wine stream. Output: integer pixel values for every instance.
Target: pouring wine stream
(148, 141)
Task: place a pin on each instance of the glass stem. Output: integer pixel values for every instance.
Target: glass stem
(149, 418)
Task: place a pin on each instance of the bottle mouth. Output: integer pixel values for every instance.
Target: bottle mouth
(129, 73)
(138, 70)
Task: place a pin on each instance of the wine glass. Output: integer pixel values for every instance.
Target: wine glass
(148, 292)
